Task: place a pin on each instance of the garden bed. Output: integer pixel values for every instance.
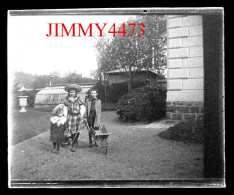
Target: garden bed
(188, 132)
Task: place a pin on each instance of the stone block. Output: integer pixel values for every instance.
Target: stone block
(191, 20)
(192, 41)
(189, 117)
(178, 32)
(196, 72)
(198, 103)
(188, 95)
(175, 43)
(196, 51)
(194, 109)
(178, 53)
(175, 84)
(193, 62)
(178, 73)
(200, 116)
(189, 84)
(173, 22)
(183, 109)
(176, 116)
(168, 115)
(180, 103)
(189, 103)
(168, 103)
(195, 30)
(201, 110)
(174, 63)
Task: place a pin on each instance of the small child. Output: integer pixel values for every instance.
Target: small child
(58, 126)
(93, 109)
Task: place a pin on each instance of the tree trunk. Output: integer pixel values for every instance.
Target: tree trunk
(129, 79)
(100, 77)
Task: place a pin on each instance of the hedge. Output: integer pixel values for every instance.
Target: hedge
(142, 104)
(115, 91)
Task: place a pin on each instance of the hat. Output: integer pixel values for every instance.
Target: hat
(57, 107)
(75, 87)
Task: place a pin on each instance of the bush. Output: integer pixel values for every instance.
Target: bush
(31, 97)
(188, 131)
(142, 104)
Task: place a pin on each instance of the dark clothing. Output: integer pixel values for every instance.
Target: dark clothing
(97, 107)
(92, 105)
(91, 120)
(75, 137)
(57, 133)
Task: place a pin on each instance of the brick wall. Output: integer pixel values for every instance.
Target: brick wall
(185, 76)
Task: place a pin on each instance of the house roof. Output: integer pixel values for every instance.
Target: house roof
(119, 71)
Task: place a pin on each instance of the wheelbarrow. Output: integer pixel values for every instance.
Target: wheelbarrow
(99, 136)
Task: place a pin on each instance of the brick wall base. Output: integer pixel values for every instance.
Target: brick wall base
(184, 110)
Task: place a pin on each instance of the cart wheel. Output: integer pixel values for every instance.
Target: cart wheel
(106, 147)
(106, 150)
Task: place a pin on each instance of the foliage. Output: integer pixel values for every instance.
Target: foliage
(114, 91)
(142, 104)
(30, 81)
(188, 131)
(31, 97)
(133, 53)
(26, 79)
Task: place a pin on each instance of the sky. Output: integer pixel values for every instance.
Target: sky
(31, 51)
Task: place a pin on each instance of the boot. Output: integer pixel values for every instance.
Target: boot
(54, 147)
(70, 143)
(76, 140)
(90, 140)
(58, 146)
(73, 149)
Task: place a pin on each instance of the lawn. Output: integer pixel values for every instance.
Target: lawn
(29, 124)
(135, 153)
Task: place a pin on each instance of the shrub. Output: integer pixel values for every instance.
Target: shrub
(31, 97)
(188, 131)
(142, 104)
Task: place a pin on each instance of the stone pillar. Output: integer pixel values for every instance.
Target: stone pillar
(185, 76)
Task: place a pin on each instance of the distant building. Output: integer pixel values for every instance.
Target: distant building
(120, 76)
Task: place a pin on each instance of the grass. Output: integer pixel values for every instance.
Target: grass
(134, 153)
(188, 132)
(28, 124)
(34, 122)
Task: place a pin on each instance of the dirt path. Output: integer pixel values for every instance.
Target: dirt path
(135, 153)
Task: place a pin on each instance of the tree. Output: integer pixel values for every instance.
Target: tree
(101, 50)
(133, 53)
(26, 79)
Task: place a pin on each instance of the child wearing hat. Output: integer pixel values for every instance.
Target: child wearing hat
(93, 112)
(75, 112)
(57, 126)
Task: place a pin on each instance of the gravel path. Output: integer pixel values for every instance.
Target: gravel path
(135, 153)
